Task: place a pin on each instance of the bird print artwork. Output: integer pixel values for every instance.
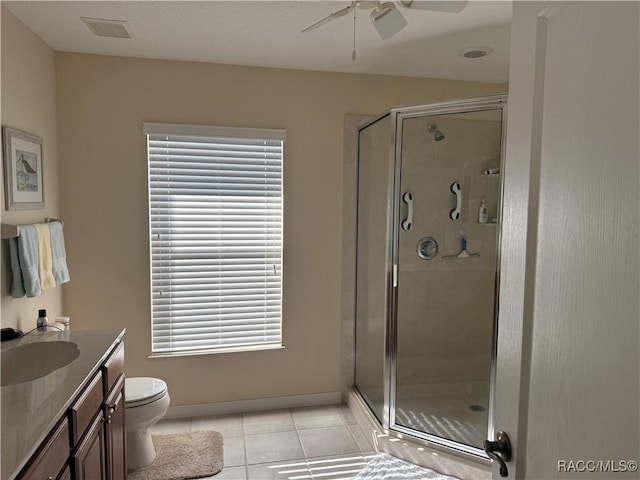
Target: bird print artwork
(26, 172)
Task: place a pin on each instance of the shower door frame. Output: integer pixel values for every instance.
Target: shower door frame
(468, 105)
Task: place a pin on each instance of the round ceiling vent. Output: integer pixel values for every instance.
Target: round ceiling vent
(475, 52)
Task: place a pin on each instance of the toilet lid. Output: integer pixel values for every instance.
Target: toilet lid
(143, 390)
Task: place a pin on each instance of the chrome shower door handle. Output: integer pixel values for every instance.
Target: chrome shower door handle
(407, 197)
(499, 451)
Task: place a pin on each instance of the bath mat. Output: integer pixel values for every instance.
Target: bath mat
(386, 467)
(183, 456)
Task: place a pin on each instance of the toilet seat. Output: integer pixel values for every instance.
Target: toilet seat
(139, 391)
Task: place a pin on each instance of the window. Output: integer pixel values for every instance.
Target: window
(215, 203)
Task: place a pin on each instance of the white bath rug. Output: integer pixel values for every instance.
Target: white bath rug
(386, 467)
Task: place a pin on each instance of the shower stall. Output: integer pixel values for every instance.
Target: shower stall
(428, 237)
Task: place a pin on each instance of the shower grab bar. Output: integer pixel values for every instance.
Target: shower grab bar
(407, 197)
(456, 189)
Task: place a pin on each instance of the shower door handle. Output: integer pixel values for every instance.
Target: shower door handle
(499, 451)
(407, 197)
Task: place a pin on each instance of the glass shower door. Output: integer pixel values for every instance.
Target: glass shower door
(446, 257)
(374, 192)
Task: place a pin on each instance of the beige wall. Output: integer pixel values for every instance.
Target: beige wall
(102, 102)
(29, 104)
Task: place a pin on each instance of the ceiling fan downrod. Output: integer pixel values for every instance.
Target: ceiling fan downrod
(353, 54)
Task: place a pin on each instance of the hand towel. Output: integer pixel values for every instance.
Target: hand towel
(28, 255)
(58, 254)
(17, 284)
(45, 263)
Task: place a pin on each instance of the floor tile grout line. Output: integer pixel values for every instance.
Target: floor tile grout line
(304, 451)
(244, 445)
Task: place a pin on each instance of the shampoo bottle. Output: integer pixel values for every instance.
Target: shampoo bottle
(483, 212)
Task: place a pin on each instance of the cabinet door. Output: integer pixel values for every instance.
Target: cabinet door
(52, 457)
(66, 474)
(116, 432)
(90, 458)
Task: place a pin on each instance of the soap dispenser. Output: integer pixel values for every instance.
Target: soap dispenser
(483, 212)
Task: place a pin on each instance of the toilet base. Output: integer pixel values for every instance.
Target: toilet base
(140, 449)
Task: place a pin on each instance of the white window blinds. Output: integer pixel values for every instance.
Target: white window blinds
(215, 199)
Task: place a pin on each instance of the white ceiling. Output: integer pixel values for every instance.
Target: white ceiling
(267, 34)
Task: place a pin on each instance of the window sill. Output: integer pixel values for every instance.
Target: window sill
(217, 351)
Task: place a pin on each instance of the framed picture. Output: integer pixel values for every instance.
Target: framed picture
(23, 176)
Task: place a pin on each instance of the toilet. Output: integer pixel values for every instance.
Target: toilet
(146, 402)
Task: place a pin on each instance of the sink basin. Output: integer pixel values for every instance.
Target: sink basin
(34, 360)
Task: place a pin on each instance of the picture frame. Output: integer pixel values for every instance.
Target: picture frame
(23, 170)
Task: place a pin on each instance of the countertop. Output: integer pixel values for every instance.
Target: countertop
(31, 409)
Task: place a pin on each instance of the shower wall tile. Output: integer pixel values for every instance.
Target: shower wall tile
(446, 306)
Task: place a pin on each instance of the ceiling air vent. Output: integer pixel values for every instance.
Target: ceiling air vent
(108, 28)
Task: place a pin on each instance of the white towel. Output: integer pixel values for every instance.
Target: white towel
(58, 254)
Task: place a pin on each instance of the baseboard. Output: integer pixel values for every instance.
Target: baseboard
(270, 403)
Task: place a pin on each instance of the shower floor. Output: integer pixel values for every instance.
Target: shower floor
(460, 416)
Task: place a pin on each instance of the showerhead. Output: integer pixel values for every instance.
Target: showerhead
(437, 134)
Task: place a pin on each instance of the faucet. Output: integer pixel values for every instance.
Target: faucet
(45, 327)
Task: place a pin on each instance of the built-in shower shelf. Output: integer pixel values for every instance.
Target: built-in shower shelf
(489, 224)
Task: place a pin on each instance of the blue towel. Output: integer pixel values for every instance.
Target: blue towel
(28, 254)
(17, 286)
(58, 254)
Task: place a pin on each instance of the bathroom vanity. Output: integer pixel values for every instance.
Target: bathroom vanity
(67, 423)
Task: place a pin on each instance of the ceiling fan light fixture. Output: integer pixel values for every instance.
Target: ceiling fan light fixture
(450, 6)
(387, 20)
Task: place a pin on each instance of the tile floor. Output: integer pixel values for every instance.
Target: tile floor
(291, 444)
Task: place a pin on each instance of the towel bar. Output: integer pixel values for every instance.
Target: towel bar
(10, 231)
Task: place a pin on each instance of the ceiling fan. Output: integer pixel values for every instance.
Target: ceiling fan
(385, 16)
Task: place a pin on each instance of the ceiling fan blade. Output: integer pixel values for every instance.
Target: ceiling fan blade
(451, 6)
(328, 18)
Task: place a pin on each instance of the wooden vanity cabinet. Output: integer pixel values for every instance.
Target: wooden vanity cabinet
(52, 456)
(116, 433)
(90, 457)
(89, 441)
(66, 474)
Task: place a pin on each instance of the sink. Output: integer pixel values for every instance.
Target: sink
(34, 360)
